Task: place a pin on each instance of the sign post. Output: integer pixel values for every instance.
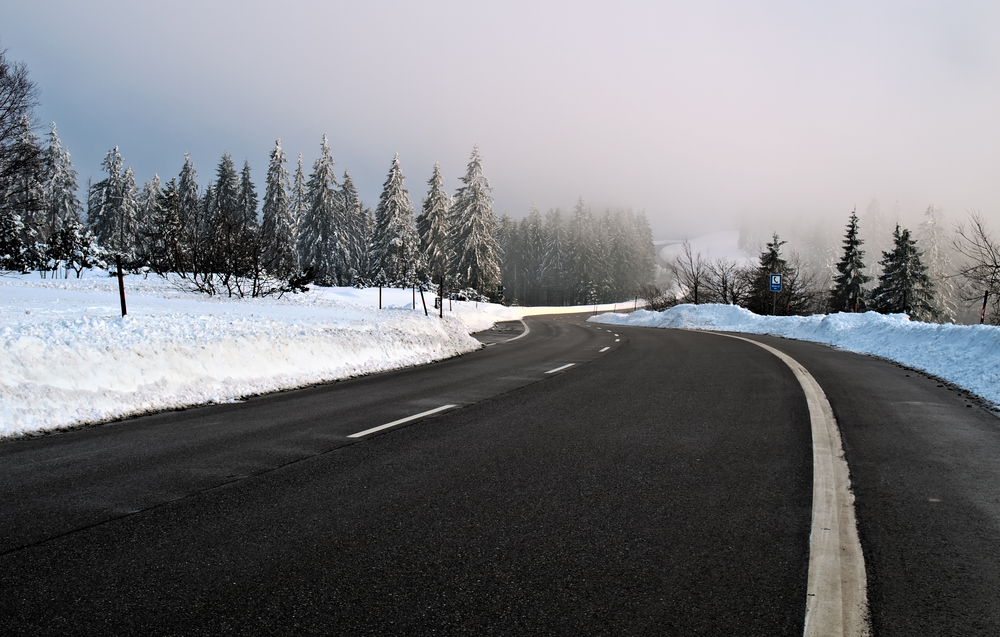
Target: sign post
(775, 288)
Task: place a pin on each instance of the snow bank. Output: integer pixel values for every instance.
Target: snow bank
(966, 355)
(68, 357)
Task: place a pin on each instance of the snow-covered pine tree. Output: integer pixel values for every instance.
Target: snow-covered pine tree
(904, 287)
(475, 250)
(149, 240)
(63, 203)
(113, 209)
(191, 255)
(300, 197)
(22, 190)
(278, 229)
(532, 234)
(248, 197)
(433, 225)
(396, 243)
(509, 239)
(555, 264)
(935, 240)
(231, 234)
(320, 245)
(357, 233)
(582, 255)
(849, 293)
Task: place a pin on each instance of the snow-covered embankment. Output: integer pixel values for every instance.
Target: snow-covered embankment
(966, 355)
(68, 357)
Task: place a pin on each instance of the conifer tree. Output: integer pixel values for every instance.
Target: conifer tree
(396, 243)
(583, 255)
(113, 209)
(22, 186)
(434, 228)
(849, 294)
(320, 244)
(555, 263)
(508, 236)
(357, 233)
(62, 202)
(278, 228)
(903, 287)
(793, 298)
(475, 250)
(192, 252)
(532, 235)
(247, 198)
(149, 240)
(934, 240)
(300, 198)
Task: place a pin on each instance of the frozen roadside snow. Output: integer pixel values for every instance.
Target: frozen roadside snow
(68, 357)
(966, 355)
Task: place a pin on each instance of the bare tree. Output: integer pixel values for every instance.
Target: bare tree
(691, 273)
(727, 281)
(18, 97)
(981, 272)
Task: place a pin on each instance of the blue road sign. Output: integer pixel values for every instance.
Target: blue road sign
(776, 283)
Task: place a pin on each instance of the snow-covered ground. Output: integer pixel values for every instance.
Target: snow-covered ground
(966, 355)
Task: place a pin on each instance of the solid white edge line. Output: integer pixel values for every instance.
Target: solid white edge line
(836, 588)
(559, 369)
(400, 421)
(605, 349)
(521, 335)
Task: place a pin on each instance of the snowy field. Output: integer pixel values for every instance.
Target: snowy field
(966, 355)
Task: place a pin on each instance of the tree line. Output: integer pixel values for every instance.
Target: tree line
(587, 258)
(923, 283)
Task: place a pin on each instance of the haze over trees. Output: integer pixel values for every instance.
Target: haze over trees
(224, 238)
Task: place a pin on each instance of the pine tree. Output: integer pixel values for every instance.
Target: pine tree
(475, 250)
(357, 233)
(904, 287)
(247, 198)
(849, 294)
(320, 244)
(434, 228)
(113, 209)
(23, 186)
(532, 234)
(396, 243)
(934, 240)
(232, 239)
(555, 261)
(63, 203)
(149, 241)
(793, 298)
(278, 229)
(300, 198)
(509, 240)
(583, 255)
(191, 253)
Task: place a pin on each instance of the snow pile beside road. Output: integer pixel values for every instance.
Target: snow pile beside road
(967, 355)
(68, 357)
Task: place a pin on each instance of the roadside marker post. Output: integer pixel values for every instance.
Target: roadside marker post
(775, 288)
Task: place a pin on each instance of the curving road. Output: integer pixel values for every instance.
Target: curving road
(574, 480)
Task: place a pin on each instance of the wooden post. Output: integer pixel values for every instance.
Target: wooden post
(422, 300)
(121, 283)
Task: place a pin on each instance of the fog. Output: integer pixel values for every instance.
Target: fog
(710, 116)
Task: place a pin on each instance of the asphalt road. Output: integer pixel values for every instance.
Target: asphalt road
(660, 485)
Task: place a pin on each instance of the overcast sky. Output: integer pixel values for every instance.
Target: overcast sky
(704, 114)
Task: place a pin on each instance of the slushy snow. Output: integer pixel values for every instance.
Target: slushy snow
(966, 355)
